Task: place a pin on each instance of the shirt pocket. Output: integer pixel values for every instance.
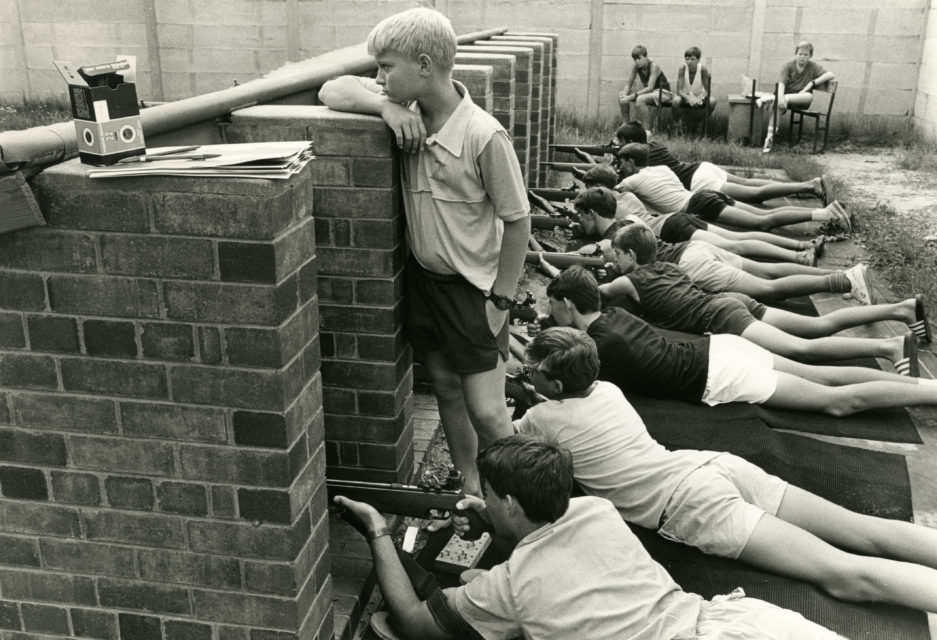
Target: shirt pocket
(453, 182)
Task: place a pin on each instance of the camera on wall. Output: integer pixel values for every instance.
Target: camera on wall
(106, 111)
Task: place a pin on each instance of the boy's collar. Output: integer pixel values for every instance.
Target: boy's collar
(451, 136)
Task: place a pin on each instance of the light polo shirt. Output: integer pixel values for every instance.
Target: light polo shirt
(458, 193)
(584, 576)
(658, 188)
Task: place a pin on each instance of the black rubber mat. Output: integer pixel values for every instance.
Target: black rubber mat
(887, 425)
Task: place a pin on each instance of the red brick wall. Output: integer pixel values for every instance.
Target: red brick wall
(161, 430)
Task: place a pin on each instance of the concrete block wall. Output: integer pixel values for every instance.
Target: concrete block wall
(366, 362)
(162, 448)
(925, 103)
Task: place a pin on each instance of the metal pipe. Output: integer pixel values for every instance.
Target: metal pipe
(40, 146)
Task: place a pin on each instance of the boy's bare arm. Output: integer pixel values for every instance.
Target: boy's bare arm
(620, 286)
(362, 95)
(651, 81)
(513, 253)
(411, 615)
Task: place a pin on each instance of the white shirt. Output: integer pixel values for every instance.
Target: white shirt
(614, 456)
(584, 576)
(658, 188)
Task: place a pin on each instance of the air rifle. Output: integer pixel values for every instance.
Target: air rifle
(556, 212)
(592, 149)
(578, 169)
(426, 500)
(556, 195)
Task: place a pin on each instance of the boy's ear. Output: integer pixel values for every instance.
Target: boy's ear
(426, 64)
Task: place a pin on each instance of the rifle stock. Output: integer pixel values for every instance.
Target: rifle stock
(406, 500)
(555, 195)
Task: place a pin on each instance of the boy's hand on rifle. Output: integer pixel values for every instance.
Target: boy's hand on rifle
(407, 126)
(363, 517)
(461, 523)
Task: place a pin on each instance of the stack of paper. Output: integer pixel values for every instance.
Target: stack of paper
(275, 160)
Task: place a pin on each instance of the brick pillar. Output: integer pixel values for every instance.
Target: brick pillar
(523, 69)
(478, 80)
(537, 173)
(367, 365)
(545, 85)
(555, 38)
(502, 83)
(161, 427)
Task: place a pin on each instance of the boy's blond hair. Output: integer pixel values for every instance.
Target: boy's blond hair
(413, 32)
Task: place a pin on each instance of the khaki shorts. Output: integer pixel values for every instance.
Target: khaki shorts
(739, 371)
(717, 506)
(737, 616)
(708, 176)
(712, 269)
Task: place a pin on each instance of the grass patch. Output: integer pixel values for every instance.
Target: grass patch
(571, 126)
(898, 249)
(34, 113)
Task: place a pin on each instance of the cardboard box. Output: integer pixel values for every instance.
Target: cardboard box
(106, 111)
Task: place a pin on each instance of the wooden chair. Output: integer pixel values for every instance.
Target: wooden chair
(660, 106)
(820, 117)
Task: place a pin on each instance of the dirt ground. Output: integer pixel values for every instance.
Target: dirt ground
(875, 174)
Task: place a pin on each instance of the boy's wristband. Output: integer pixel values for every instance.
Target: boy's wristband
(377, 533)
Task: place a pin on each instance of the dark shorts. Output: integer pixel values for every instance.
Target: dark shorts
(446, 313)
(680, 227)
(733, 313)
(708, 204)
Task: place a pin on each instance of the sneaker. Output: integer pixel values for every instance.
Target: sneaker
(844, 216)
(908, 364)
(769, 144)
(859, 286)
(808, 257)
(819, 245)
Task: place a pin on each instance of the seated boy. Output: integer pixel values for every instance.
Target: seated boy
(718, 502)
(665, 296)
(680, 227)
(467, 219)
(577, 570)
(660, 189)
(647, 75)
(697, 176)
(692, 80)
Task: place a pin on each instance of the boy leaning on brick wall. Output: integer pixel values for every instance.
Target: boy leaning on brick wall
(467, 221)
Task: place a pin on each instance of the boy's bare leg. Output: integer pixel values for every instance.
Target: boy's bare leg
(472, 412)
(804, 394)
(785, 548)
(830, 323)
(770, 238)
(780, 288)
(773, 270)
(860, 533)
(743, 215)
(760, 193)
(753, 248)
(822, 349)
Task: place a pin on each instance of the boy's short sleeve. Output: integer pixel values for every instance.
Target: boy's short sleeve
(816, 70)
(487, 605)
(502, 179)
